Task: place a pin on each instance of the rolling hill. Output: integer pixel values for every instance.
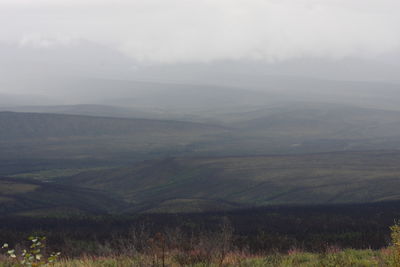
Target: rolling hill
(74, 137)
(28, 197)
(289, 128)
(263, 156)
(86, 110)
(326, 178)
(322, 120)
(35, 125)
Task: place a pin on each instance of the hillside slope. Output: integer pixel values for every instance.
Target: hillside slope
(324, 121)
(260, 180)
(27, 197)
(35, 125)
(277, 129)
(86, 110)
(35, 136)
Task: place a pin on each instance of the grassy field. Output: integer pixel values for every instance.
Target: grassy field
(295, 258)
(346, 258)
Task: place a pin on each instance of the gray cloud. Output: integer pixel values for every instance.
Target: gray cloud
(170, 31)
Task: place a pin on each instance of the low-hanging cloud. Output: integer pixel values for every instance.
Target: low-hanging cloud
(171, 31)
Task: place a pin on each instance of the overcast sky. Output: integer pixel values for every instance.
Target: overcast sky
(170, 31)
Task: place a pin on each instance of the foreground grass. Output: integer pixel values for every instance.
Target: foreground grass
(343, 258)
(213, 249)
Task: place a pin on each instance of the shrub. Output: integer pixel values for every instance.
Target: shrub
(32, 256)
(395, 248)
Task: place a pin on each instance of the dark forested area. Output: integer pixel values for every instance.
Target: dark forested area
(258, 230)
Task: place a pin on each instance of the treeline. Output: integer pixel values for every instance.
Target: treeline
(258, 230)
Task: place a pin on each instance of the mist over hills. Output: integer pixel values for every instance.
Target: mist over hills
(94, 125)
(188, 97)
(7, 100)
(81, 59)
(88, 73)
